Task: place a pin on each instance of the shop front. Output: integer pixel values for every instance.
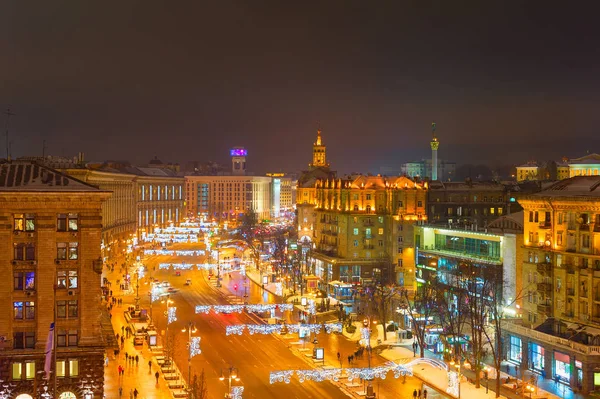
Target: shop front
(515, 349)
(562, 367)
(536, 357)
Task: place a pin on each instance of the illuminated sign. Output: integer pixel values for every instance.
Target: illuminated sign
(238, 152)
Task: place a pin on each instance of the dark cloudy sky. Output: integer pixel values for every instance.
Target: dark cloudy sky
(506, 81)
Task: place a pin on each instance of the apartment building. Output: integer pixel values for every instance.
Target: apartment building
(50, 258)
(559, 334)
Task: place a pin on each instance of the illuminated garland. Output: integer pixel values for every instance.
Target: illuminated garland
(453, 383)
(312, 309)
(155, 293)
(228, 308)
(240, 308)
(236, 392)
(203, 309)
(186, 266)
(171, 315)
(263, 328)
(278, 289)
(333, 327)
(195, 347)
(319, 375)
(312, 328)
(168, 252)
(235, 329)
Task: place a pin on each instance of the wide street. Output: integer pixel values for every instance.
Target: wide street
(254, 356)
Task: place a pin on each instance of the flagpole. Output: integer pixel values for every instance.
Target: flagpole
(54, 342)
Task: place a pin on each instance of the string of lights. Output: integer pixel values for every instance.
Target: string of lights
(319, 375)
(171, 314)
(240, 308)
(195, 347)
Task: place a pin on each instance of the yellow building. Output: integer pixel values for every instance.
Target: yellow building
(363, 230)
(51, 266)
(560, 331)
(528, 171)
(588, 165)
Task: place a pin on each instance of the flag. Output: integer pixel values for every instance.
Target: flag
(49, 349)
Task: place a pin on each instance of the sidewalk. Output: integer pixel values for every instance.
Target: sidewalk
(137, 376)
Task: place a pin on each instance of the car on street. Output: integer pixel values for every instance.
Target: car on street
(165, 284)
(172, 290)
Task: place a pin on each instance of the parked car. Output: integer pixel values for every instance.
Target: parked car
(166, 284)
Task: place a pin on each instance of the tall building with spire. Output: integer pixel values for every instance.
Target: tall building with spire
(319, 153)
(435, 144)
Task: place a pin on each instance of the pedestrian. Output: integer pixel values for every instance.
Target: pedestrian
(156, 376)
(120, 391)
(135, 393)
(117, 336)
(415, 393)
(122, 330)
(137, 359)
(122, 341)
(424, 393)
(126, 356)
(120, 369)
(150, 365)
(419, 394)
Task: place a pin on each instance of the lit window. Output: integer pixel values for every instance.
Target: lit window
(380, 231)
(419, 204)
(30, 370)
(73, 282)
(61, 250)
(19, 222)
(73, 252)
(73, 222)
(355, 231)
(60, 368)
(61, 281)
(18, 310)
(73, 368)
(17, 371)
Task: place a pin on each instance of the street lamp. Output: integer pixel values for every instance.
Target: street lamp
(193, 346)
(232, 374)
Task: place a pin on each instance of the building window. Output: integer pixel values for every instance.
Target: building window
(66, 338)
(23, 340)
(67, 279)
(492, 211)
(531, 237)
(74, 367)
(400, 205)
(67, 222)
(24, 251)
(24, 281)
(585, 241)
(355, 231)
(17, 371)
(380, 242)
(67, 309)
(400, 239)
(60, 368)
(419, 204)
(356, 243)
(24, 222)
(61, 251)
(399, 250)
(368, 232)
(18, 310)
(368, 197)
(500, 211)
(73, 251)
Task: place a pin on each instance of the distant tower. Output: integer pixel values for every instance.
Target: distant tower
(434, 148)
(238, 161)
(319, 153)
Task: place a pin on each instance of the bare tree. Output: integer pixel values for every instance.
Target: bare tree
(199, 386)
(421, 310)
(452, 312)
(382, 297)
(248, 234)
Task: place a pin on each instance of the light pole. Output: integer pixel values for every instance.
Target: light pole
(232, 374)
(218, 266)
(193, 346)
(137, 288)
(170, 318)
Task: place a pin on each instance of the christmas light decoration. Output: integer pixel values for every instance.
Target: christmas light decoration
(278, 289)
(312, 309)
(281, 376)
(263, 328)
(195, 347)
(155, 294)
(235, 329)
(311, 328)
(171, 315)
(203, 309)
(228, 308)
(453, 383)
(333, 327)
(319, 375)
(236, 392)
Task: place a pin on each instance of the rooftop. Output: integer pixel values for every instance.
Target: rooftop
(579, 186)
(30, 176)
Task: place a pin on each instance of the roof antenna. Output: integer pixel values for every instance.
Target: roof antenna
(8, 115)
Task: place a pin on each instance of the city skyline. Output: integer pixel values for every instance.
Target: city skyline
(266, 78)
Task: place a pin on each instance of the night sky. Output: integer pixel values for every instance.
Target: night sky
(505, 81)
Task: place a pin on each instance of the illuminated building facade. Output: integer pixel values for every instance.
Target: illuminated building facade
(228, 197)
(305, 200)
(51, 264)
(363, 230)
(559, 334)
(446, 171)
(588, 165)
(471, 205)
(142, 197)
(282, 188)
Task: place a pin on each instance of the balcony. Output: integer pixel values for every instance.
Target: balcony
(545, 309)
(544, 268)
(547, 287)
(545, 224)
(563, 343)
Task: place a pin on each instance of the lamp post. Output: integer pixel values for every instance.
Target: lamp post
(218, 265)
(232, 374)
(457, 366)
(137, 288)
(170, 318)
(193, 346)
